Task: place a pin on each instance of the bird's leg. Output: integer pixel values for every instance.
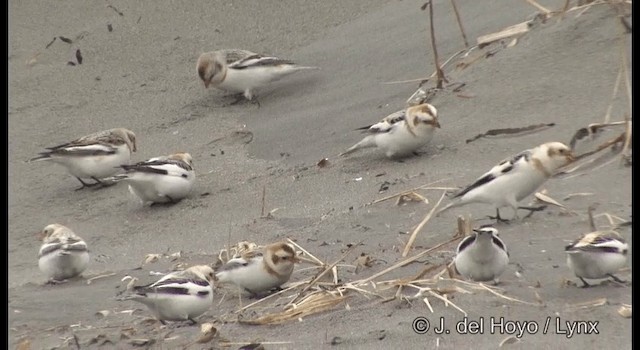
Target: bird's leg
(84, 184)
(103, 183)
(498, 218)
(532, 210)
(586, 285)
(171, 199)
(616, 278)
(238, 98)
(163, 322)
(193, 322)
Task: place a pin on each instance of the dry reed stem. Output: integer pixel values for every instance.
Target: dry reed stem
(447, 302)
(421, 225)
(607, 116)
(328, 268)
(439, 72)
(587, 304)
(406, 261)
(318, 261)
(228, 344)
(539, 7)
(422, 187)
(506, 297)
(464, 36)
(312, 304)
(433, 74)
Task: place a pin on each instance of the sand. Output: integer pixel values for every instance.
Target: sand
(141, 75)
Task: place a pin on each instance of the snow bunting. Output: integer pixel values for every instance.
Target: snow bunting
(257, 272)
(514, 179)
(161, 179)
(482, 256)
(178, 296)
(402, 132)
(63, 254)
(242, 71)
(95, 156)
(597, 255)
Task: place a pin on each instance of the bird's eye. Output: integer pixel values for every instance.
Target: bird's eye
(285, 257)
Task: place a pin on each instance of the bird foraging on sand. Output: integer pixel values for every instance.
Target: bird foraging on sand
(95, 156)
(402, 132)
(482, 256)
(256, 272)
(597, 255)
(242, 71)
(63, 254)
(514, 179)
(161, 179)
(178, 296)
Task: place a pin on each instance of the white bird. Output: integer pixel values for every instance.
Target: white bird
(514, 179)
(161, 179)
(597, 255)
(402, 132)
(95, 156)
(178, 296)
(242, 71)
(63, 254)
(482, 256)
(257, 272)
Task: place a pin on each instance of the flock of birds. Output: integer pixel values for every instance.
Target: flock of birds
(104, 157)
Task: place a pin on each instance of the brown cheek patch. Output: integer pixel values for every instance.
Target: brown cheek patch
(538, 165)
(274, 259)
(202, 69)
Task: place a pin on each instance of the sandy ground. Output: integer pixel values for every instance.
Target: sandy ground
(142, 76)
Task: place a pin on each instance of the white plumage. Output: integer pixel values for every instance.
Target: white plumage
(256, 273)
(482, 256)
(597, 255)
(243, 71)
(95, 156)
(63, 254)
(160, 179)
(514, 179)
(402, 132)
(178, 296)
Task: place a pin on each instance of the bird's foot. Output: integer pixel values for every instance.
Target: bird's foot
(499, 219)
(87, 185)
(585, 285)
(618, 279)
(533, 210)
(56, 282)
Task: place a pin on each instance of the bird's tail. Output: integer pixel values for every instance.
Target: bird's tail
(306, 68)
(366, 142)
(454, 204)
(116, 178)
(39, 157)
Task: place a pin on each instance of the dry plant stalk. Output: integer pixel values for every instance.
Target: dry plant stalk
(514, 30)
(587, 304)
(464, 36)
(424, 221)
(406, 261)
(439, 72)
(312, 304)
(324, 272)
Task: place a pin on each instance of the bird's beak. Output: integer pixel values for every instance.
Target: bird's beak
(39, 235)
(206, 83)
(437, 124)
(571, 157)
